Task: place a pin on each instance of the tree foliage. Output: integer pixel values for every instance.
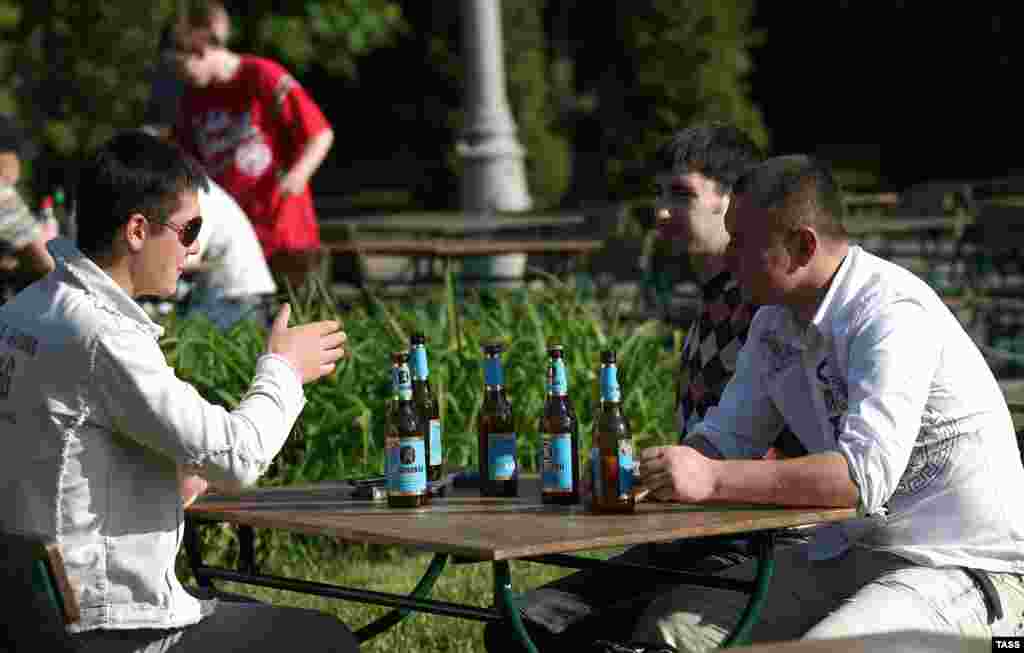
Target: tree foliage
(648, 67)
(592, 92)
(75, 71)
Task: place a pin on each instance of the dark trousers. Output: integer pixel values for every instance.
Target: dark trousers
(569, 614)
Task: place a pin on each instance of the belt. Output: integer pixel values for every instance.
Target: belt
(988, 592)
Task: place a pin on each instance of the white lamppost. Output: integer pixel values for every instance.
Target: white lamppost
(493, 174)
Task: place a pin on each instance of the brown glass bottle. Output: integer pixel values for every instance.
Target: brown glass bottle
(407, 487)
(496, 432)
(426, 405)
(560, 438)
(611, 457)
(391, 447)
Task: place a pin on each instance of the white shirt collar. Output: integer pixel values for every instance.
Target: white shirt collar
(808, 335)
(99, 285)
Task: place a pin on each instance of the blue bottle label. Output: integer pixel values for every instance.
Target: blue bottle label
(391, 456)
(492, 371)
(412, 468)
(436, 452)
(557, 383)
(625, 467)
(418, 361)
(610, 384)
(501, 454)
(557, 466)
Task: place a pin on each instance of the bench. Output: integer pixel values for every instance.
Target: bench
(40, 601)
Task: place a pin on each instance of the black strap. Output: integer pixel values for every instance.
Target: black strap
(988, 591)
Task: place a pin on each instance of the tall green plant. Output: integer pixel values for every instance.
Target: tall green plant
(340, 431)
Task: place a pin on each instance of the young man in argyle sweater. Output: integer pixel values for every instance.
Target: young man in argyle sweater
(693, 176)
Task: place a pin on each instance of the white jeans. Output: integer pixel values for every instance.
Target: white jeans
(859, 593)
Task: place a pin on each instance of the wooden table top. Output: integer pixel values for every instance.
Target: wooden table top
(472, 526)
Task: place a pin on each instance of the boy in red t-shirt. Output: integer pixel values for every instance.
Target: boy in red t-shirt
(259, 135)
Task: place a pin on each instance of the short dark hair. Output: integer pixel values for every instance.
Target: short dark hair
(800, 190)
(201, 13)
(719, 151)
(133, 172)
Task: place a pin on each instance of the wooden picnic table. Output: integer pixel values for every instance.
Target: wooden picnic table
(457, 248)
(481, 529)
(894, 225)
(449, 224)
(425, 251)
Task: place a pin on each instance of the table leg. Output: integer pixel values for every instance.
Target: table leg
(246, 549)
(505, 600)
(195, 553)
(421, 591)
(740, 635)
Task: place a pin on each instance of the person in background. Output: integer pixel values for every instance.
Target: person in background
(902, 418)
(104, 446)
(693, 176)
(259, 134)
(23, 254)
(166, 85)
(230, 277)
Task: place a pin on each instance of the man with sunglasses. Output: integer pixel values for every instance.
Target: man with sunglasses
(104, 446)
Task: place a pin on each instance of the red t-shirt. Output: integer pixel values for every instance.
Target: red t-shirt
(248, 132)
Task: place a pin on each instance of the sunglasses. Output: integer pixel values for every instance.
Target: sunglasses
(187, 233)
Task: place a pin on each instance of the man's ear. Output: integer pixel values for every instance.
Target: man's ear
(135, 231)
(805, 245)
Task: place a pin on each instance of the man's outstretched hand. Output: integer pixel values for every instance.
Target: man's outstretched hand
(312, 349)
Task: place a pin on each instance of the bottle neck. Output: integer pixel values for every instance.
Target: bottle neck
(610, 392)
(418, 363)
(400, 382)
(493, 375)
(557, 384)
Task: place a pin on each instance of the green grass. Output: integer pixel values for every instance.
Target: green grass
(394, 570)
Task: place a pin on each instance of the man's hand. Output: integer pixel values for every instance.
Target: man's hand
(190, 486)
(677, 473)
(312, 349)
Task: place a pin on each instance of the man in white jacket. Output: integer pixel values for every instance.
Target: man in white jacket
(97, 427)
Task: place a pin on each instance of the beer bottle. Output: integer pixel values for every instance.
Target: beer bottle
(427, 406)
(408, 465)
(496, 431)
(611, 457)
(560, 438)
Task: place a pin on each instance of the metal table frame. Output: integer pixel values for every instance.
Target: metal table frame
(504, 598)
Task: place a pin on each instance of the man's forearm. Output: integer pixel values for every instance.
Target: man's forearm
(815, 480)
(313, 155)
(702, 444)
